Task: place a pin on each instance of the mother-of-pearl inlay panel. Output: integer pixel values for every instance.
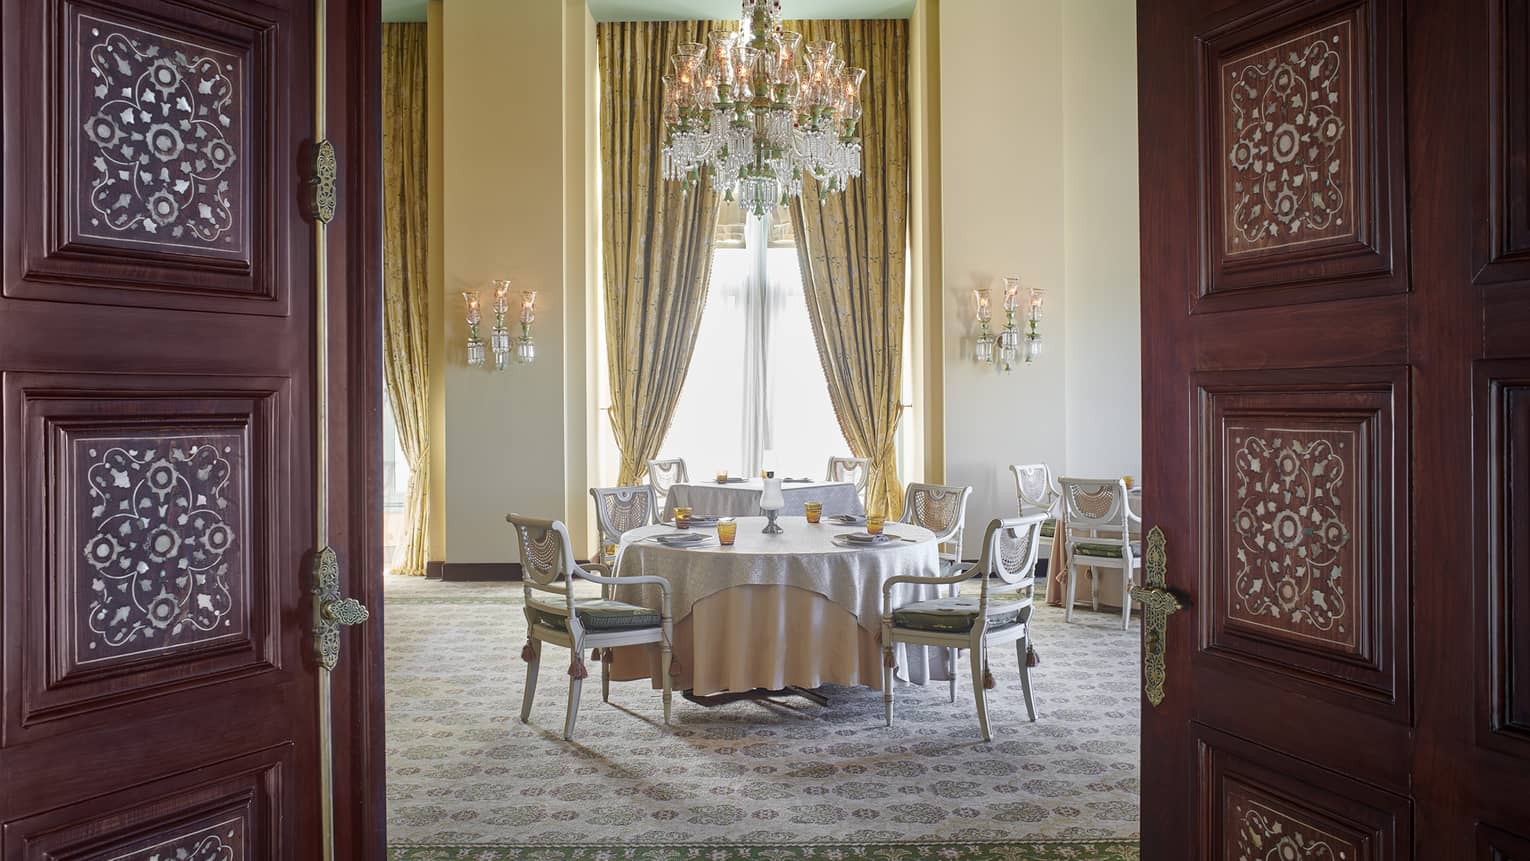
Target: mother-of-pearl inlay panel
(224, 841)
(1289, 156)
(161, 136)
(161, 559)
(1292, 510)
(1255, 829)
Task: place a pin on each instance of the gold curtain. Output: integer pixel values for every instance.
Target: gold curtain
(851, 247)
(405, 291)
(657, 238)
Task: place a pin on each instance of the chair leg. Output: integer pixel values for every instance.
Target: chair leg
(605, 675)
(531, 679)
(574, 686)
(887, 686)
(1094, 589)
(951, 658)
(1126, 599)
(665, 657)
(1021, 646)
(977, 692)
(1071, 592)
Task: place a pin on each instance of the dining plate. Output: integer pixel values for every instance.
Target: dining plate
(697, 520)
(846, 539)
(846, 519)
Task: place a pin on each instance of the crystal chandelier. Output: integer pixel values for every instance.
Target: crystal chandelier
(743, 107)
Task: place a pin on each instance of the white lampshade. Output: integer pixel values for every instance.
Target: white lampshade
(771, 498)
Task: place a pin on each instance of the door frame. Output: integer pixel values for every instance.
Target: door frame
(354, 81)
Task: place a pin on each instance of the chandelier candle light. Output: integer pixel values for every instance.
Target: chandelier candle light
(745, 108)
(475, 343)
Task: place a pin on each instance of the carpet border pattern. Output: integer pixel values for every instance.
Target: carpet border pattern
(1050, 850)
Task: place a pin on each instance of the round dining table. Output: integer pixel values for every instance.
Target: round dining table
(801, 609)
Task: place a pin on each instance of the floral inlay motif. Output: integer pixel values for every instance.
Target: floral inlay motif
(1261, 833)
(160, 128)
(1288, 144)
(1291, 524)
(159, 546)
(221, 842)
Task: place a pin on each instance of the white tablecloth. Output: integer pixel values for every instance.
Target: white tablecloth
(776, 610)
(742, 499)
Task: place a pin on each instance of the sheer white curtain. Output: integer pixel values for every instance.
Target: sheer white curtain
(755, 394)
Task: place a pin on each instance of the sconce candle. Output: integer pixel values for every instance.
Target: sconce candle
(499, 339)
(525, 348)
(984, 314)
(475, 343)
(1033, 337)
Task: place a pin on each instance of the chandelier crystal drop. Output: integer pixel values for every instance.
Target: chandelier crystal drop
(758, 109)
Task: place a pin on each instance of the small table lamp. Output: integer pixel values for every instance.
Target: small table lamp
(771, 502)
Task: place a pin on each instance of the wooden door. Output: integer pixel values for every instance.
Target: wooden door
(1336, 328)
(159, 407)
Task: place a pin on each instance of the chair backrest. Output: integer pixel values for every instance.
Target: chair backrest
(623, 509)
(853, 469)
(940, 508)
(547, 556)
(664, 474)
(1033, 487)
(1094, 503)
(1011, 547)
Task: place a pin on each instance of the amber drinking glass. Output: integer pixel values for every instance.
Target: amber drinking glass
(814, 511)
(682, 517)
(1128, 481)
(722, 476)
(874, 524)
(726, 530)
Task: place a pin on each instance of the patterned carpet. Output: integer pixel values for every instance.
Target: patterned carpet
(782, 780)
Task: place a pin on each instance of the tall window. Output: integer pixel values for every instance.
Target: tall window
(755, 395)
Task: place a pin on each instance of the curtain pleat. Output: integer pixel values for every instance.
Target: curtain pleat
(657, 252)
(406, 293)
(852, 247)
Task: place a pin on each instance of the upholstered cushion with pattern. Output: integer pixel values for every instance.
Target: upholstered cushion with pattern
(1048, 528)
(954, 615)
(599, 614)
(1086, 548)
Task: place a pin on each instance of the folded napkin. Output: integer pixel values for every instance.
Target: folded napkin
(846, 519)
(798, 480)
(867, 537)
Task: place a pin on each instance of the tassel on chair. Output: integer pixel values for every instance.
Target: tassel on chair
(674, 668)
(988, 682)
(888, 660)
(577, 670)
(1032, 657)
(596, 656)
(528, 654)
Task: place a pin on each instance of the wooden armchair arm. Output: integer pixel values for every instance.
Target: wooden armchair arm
(635, 580)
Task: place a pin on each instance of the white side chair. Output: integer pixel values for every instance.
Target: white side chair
(997, 615)
(619, 510)
(942, 509)
(548, 568)
(851, 469)
(1035, 492)
(1097, 524)
(664, 474)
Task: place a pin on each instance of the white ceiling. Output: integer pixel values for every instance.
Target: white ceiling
(688, 10)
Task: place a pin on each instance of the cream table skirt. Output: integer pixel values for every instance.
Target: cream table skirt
(773, 637)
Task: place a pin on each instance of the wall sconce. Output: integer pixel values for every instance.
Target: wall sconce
(499, 339)
(475, 343)
(525, 348)
(1010, 344)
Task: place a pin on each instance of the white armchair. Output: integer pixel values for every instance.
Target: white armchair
(856, 470)
(941, 509)
(619, 510)
(664, 474)
(1036, 492)
(548, 568)
(997, 615)
(1098, 524)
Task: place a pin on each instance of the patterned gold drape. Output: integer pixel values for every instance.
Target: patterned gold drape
(657, 239)
(405, 291)
(852, 247)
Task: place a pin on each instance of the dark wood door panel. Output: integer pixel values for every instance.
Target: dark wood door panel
(159, 164)
(1503, 187)
(227, 812)
(1365, 332)
(1497, 844)
(1303, 571)
(1300, 154)
(1502, 478)
(1260, 804)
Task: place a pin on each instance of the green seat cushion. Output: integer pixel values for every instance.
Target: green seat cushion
(1112, 550)
(952, 615)
(599, 614)
(1048, 529)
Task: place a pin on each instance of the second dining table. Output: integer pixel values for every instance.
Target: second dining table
(796, 609)
(740, 497)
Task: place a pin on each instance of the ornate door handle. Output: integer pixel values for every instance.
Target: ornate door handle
(1157, 604)
(331, 611)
